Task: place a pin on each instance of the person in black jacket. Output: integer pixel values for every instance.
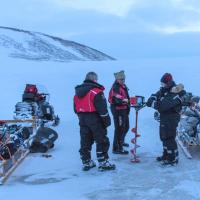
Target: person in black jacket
(91, 107)
(120, 108)
(168, 101)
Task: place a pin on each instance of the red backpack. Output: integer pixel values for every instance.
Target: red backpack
(86, 103)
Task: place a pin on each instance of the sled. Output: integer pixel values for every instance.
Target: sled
(185, 148)
(189, 145)
(8, 166)
(32, 121)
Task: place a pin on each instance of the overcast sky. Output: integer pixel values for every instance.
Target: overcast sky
(73, 17)
(121, 28)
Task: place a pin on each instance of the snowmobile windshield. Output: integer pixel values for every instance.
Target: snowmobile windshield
(42, 90)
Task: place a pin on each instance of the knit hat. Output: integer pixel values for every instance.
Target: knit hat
(167, 77)
(119, 75)
(92, 76)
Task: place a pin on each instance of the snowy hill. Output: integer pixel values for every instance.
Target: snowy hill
(29, 45)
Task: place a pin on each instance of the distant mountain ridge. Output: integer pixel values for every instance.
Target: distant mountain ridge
(30, 45)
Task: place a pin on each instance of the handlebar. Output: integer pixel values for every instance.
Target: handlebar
(138, 107)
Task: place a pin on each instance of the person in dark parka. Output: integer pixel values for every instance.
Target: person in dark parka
(91, 107)
(168, 101)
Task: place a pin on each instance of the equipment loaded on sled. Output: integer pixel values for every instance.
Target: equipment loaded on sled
(188, 131)
(29, 132)
(14, 144)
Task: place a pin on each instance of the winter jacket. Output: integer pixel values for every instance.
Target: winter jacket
(90, 95)
(117, 94)
(169, 105)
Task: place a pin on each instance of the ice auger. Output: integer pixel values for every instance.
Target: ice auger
(137, 103)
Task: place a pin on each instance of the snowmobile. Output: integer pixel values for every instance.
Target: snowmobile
(36, 103)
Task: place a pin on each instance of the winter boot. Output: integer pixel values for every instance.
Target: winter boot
(122, 152)
(163, 157)
(160, 158)
(88, 165)
(172, 158)
(169, 162)
(125, 144)
(106, 165)
(51, 146)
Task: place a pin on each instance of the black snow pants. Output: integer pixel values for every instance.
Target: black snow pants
(168, 125)
(121, 123)
(92, 130)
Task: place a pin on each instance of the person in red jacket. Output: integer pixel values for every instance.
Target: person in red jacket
(120, 108)
(91, 107)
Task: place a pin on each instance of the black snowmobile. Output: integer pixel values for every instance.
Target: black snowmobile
(36, 103)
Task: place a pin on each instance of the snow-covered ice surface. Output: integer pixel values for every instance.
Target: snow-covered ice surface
(60, 177)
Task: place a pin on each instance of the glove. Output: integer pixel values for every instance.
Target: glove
(126, 101)
(182, 93)
(150, 101)
(187, 103)
(184, 99)
(106, 121)
(179, 99)
(162, 91)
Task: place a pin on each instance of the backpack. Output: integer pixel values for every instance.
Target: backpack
(31, 89)
(30, 93)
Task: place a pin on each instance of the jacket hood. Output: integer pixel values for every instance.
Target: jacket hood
(168, 87)
(83, 89)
